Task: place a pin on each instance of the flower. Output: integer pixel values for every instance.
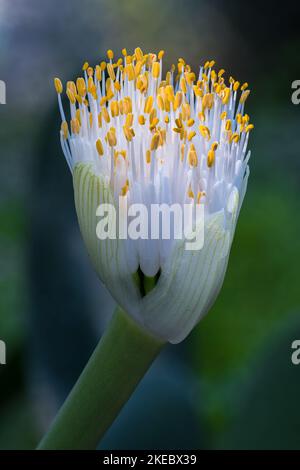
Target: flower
(182, 139)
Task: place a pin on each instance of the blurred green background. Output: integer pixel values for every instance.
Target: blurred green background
(231, 384)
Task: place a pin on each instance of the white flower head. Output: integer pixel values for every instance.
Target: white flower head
(136, 137)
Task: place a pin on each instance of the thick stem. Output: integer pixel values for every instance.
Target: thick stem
(122, 357)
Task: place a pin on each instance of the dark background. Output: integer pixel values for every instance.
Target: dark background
(231, 384)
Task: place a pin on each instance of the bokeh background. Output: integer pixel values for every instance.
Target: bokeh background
(231, 384)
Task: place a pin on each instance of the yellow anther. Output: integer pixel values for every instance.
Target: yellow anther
(246, 118)
(148, 104)
(78, 115)
(138, 67)
(65, 129)
(90, 71)
(160, 102)
(182, 150)
(85, 66)
(236, 86)
(129, 70)
(114, 108)
(58, 86)
(153, 123)
(207, 101)
(127, 105)
(198, 92)
(160, 54)
(124, 52)
(178, 122)
(211, 63)
(111, 137)
(249, 128)
(153, 114)
(75, 126)
(228, 125)
(110, 54)
(183, 86)
(71, 96)
(141, 119)
(117, 86)
(105, 114)
(205, 132)
(223, 115)
(178, 130)
(225, 95)
(206, 65)
(98, 73)
(138, 53)
(103, 100)
(109, 94)
(192, 156)
(190, 77)
(125, 188)
(111, 72)
(221, 72)
(155, 69)
(129, 120)
(155, 141)
(244, 96)
(190, 122)
(167, 119)
(210, 158)
(103, 65)
(129, 133)
(235, 137)
(214, 146)
(99, 148)
(213, 76)
(80, 84)
(191, 135)
(178, 100)
(244, 86)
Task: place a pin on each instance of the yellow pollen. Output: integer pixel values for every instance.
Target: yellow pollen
(167, 119)
(244, 96)
(65, 129)
(205, 132)
(249, 128)
(244, 86)
(155, 69)
(192, 156)
(228, 125)
(148, 156)
(71, 96)
(191, 135)
(210, 158)
(99, 148)
(111, 137)
(105, 114)
(155, 141)
(124, 52)
(236, 86)
(129, 120)
(148, 104)
(110, 54)
(141, 119)
(58, 86)
(111, 72)
(138, 53)
(85, 66)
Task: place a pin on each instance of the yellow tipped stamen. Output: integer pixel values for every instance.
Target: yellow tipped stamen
(155, 69)
(110, 54)
(192, 156)
(99, 148)
(111, 72)
(71, 96)
(148, 156)
(111, 137)
(65, 129)
(205, 132)
(244, 96)
(141, 120)
(210, 158)
(148, 105)
(191, 135)
(58, 86)
(155, 141)
(249, 128)
(129, 120)
(244, 86)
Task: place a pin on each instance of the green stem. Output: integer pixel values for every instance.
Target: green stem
(122, 357)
